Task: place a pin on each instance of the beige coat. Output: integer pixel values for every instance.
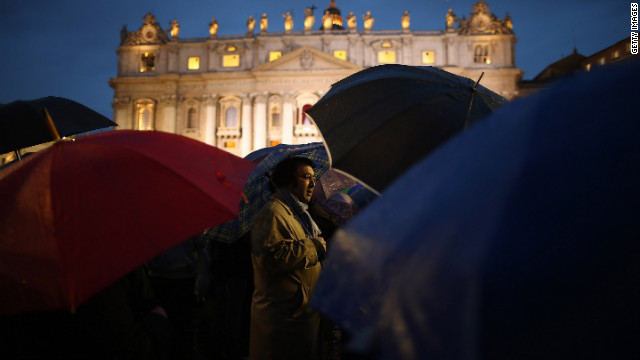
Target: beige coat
(286, 269)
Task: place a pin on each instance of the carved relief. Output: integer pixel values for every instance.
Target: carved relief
(483, 21)
(306, 59)
(149, 33)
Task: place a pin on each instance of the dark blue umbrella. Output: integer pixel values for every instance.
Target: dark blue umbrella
(518, 239)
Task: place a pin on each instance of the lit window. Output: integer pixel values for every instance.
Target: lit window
(615, 54)
(386, 57)
(193, 63)
(145, 114)
(148, 62)
(231, 60)
(588, 67)
(275, 55)
(231, 48)
(229, 144)
(231, 117)
(481, 54)
(428, 57)
(340, 54)
(386, 44)
(602, 61)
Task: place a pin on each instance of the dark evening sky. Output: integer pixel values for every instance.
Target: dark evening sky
(68, 47)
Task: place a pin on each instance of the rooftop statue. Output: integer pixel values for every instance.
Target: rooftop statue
(288, 22)
(405, 21)
(450, 20)
(251, 24)
(175, 29)
(368, 21)
(351, 21)
(264, 23)
(213, 27)
(309, 19)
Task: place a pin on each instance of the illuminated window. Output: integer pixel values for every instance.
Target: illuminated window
(274, 55)
(386, 57)
(231, 60)
(615, 54)
(192, 120)
(231, 48)
(428, 57)
(145, 114)
(386, 44)
(148, 62)
(602, 61)
(231, 117)
(229, 144)
(588, 67)
(481, 54)
(340, 54)
(193, 63)
(274, 142)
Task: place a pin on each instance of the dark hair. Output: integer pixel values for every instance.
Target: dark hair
(285, 172)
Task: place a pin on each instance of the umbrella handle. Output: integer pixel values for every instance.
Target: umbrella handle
(51, 125)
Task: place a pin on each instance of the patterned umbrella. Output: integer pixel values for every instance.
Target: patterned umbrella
(257, 190)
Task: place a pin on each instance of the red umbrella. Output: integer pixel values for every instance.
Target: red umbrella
(81, 214)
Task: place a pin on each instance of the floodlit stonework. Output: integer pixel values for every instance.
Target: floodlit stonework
(248, 91)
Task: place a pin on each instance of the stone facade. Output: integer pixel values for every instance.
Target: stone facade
(248, 91)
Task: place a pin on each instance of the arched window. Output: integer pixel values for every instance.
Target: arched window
(192, 121)
(231, 117)
(481, 54)
(145, 114)
(275, 118)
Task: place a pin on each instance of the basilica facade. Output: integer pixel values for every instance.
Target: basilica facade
(249, 91)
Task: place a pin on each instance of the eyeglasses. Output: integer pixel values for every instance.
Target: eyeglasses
(309, 178)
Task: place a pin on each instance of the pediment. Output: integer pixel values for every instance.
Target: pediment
(307, 58)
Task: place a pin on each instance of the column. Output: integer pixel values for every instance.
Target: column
(167, 122)
(209, 102)
(287, 118)
(260, 121)
(247, 130)
(122, 112)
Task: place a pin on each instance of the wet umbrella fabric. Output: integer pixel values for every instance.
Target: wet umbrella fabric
(257, 190)
(80, 214)
(23, 124)
(378, 122)
(518, 239)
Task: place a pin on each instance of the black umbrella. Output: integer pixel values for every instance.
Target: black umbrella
(23, 122)
(378, 122)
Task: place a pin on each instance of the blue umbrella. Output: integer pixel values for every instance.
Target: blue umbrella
(518, 239)
(257, 190)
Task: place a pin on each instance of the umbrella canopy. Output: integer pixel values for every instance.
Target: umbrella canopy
(257, 187)
(378, 122)
(23, 123)
(80, 214)
(518, 239)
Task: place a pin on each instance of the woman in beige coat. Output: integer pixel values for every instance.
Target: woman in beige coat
(286, 252)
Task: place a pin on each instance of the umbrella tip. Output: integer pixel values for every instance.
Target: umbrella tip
(51, 125)
(475, 87)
